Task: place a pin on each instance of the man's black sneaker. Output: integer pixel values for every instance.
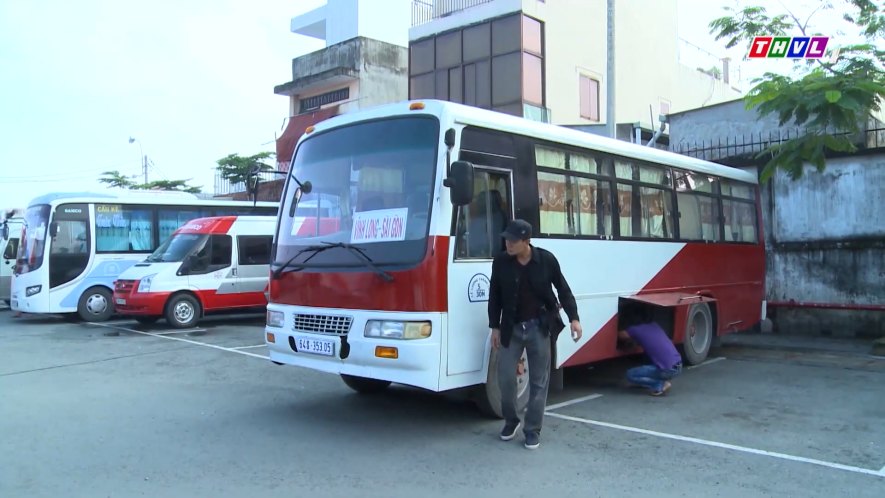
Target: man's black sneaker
(532, 440)
(509, 431)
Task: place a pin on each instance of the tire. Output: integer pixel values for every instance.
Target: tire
(147, 320)
(699, 333)
(95, 305)
(488, 395)
(183, 311)
(363, 385)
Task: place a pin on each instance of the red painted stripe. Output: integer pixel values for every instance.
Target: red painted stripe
(422, 288)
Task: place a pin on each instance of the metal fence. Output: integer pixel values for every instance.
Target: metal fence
(746, 146)
(224, 186)
(424, 11)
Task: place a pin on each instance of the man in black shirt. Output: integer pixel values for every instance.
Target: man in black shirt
(521, 310)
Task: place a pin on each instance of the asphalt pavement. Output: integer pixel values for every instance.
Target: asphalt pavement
(121, 409)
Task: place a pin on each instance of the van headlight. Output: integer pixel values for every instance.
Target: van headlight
(275, 318)
(386, 329)
(144, 285)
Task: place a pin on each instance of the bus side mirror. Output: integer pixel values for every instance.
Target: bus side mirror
(4, 231)
(53, 229)
(460, 183)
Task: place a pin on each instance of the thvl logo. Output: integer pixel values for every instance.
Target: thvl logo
(789, 47)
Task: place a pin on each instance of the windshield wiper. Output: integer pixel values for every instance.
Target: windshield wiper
(316, 249)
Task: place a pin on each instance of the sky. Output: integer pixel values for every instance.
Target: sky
(191, 81)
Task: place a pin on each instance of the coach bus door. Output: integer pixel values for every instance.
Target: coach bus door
(478, 239)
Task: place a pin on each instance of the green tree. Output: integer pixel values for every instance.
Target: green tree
(116, 179)
(237, 169)
(832, 99)
(172, 185)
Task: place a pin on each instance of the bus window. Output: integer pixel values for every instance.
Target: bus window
(11, 248)
(481, 222)
(120, 228)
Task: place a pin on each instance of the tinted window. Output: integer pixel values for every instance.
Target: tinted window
(120, 228)
(254, 249)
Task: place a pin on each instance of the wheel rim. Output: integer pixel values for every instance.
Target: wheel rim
(96, 304)
(183, 312)
(522, 381)
(699, 334)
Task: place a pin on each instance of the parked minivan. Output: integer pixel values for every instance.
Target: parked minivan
(207, 265)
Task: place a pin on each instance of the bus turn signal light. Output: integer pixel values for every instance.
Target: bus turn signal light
(271, 338)
(386, 352)
(416, 106)
(309, 129)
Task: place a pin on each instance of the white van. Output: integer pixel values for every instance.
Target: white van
(10, 232)
(207, 265)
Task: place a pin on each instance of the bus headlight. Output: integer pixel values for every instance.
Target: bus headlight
(144, 285)
(397, 330)
(33, 290)
(275, 318)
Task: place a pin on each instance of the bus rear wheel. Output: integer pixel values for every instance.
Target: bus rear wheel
(95, 305)
(364, 385)
(488, 395)
(699, 331)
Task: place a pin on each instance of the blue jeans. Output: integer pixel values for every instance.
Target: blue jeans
(651, 376)
(537, 347)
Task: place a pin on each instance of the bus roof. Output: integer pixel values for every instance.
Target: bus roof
(223, 224)
(485, 118)
(142, 197)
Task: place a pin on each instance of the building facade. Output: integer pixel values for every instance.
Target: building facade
(546, 60)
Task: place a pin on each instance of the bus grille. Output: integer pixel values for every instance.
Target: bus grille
(323, 324)
(124, 286)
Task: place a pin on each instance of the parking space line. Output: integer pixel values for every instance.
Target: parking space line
(171, 338)
(183, 331)
(708, 362)
(250, 347)
(727, 446)
(574, 401)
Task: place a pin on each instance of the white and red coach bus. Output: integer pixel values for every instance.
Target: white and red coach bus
(398, 292)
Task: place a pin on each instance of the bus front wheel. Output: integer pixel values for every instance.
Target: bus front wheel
(95, 305)
(488, 395)
(364, 385)
(699, 331)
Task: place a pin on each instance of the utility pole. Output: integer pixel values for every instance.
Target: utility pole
(610, 73)
(144, 167)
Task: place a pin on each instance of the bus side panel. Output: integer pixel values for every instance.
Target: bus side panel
(102, 271)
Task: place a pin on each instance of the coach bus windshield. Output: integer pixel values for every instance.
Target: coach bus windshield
(30, 249)
(371, 187)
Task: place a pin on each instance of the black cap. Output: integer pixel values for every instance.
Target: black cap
(517, 230)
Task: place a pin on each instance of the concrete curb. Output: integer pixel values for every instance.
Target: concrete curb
(802, 344)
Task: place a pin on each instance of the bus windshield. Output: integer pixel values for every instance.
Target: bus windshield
(177, 247)
(371, 187)
(33, 240)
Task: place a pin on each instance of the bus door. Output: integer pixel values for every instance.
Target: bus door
(478, 239)
(211, 273)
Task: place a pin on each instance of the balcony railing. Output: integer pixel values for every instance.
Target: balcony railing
(226, 187)
(424, 11)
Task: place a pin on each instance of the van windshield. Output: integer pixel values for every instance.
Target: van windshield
(177, 247)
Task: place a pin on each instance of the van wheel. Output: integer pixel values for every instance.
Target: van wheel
(364, 385)
(95, 305)
(488, 396)
(698, 334)
(183, 311)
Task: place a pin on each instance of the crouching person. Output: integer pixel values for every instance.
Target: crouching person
(666, 362)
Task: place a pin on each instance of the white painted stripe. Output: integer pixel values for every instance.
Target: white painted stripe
(182, 331)
(708, 362)
(250, 347)
(716, 444)
(882, 471)
(213, 346)
(574, 401)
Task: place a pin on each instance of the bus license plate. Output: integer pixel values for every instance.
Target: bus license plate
(316, 346)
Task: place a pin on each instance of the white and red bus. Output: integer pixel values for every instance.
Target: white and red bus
(398, 293)
(207, 266)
